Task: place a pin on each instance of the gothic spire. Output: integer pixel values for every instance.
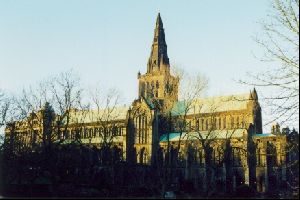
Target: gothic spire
(158, 21)
(159, 55)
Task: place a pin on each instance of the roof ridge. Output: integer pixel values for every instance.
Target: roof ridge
(223, 96)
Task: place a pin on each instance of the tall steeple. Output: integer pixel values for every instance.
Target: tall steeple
(158, 85)
(159, 55)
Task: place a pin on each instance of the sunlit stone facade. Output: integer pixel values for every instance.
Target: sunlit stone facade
(143, 131)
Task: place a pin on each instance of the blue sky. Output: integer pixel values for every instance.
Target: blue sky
(108, 42)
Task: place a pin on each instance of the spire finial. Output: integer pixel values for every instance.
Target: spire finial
(159, 55)
(158, 20)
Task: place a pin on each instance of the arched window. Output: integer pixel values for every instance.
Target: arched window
(142, 130)
(77, 134)
(90, 133)
(146, 130)
(85, 133)
(201, 124)
(96, 132)
(197, 124)
(136, 131)
(67, 134)
(101, 132)
(114, 131)
(104, 132)
(214, 123)
(243, 122)
(120, 131)
(81, 133)
(73, 135)
(157, 84)
(139, 129)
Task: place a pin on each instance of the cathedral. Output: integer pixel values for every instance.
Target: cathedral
(158, 126)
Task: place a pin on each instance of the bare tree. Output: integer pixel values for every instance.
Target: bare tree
(206, 140)
(5, 104)
(107, 114)
(292, 161)
(35, 118)
(192, 87)
(66, 97)
(280, 41)
(208, 135)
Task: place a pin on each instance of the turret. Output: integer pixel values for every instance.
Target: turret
(254, 94)
(255, 108)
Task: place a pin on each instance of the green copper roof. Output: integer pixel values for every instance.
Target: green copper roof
(264, 135)
(149, 102)
(211, 104)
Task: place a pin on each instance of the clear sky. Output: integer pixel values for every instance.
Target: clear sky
(108, 42)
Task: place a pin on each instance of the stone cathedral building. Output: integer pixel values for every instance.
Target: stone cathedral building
(158, 120)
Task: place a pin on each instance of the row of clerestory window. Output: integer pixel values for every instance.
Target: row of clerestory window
(92, 132)
(219, 123)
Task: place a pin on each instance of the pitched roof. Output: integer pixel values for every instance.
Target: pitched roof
(149, 102)
(89, 116)
(212, 104)
(216, 134)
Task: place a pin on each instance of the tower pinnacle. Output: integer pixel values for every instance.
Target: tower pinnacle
(159, 55)
(158, 21)
(158, 85)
